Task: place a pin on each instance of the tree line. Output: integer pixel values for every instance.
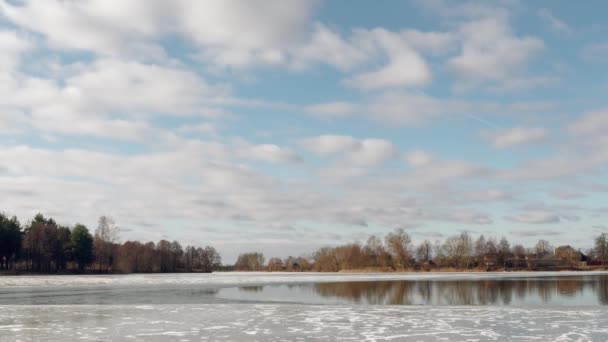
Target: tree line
(460, 252)
(43, 246)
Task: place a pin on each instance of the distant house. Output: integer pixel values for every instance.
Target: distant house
(563, 256)
(570, 256)
(548, 261)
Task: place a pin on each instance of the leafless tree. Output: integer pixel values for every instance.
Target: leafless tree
(106, 237)
(424, 252)
(398, 244)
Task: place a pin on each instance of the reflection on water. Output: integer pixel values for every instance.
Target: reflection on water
(551, 291)
(586, 290)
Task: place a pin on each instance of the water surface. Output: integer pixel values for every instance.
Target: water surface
(569, 289)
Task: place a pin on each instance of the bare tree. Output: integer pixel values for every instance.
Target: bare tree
(424, 251)
(375, 253)
(601, 248)
(504, 251)
(542, 248)
(250, 262)
(480, 247)
(275, 265)
(519, 252)
(398, 244)
(106, 236)
(458, 250)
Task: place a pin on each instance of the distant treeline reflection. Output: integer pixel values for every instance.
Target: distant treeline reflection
(457, 292)
(491, 292)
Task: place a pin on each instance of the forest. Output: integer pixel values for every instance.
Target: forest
(43, 246)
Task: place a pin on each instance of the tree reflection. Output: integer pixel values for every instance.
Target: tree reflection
(466, 292)
(602, 291)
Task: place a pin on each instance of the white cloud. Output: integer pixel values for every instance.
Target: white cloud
(109, 29)
(407, 108)
(491, 51)
(244, 33)
(234, 33)
(107, 75)
(112, 85)
(371, 152)
(592, 123)
(515, 136)
(365, 152)
(419, 158)
(330, 144)
(410, 108)
(535, 216)
(12, 46)
(270, 153)
(542, 233)
(440, 173)
(108, 98)
(405, 67)
(435, 43)
(204, 128)
(328, 46)
(469, 217)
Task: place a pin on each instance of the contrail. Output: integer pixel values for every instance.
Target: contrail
(483, 121)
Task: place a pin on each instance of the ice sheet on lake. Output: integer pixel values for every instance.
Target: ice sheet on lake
(253, 278)
(237, 322)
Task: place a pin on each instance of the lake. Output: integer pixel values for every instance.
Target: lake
(560, 306)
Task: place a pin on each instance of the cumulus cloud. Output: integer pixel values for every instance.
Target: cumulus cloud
(491, 51)
(364, 152)
(134, 87)
(232, 32)
(515, 136)
(330, 144)
(90, 25)
(12, 45)
(270, 153)
(405, 66)
(371, 152)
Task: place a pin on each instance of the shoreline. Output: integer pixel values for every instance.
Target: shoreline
(345, 272)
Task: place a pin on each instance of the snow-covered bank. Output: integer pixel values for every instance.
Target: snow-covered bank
(255, 278)
(235, 322)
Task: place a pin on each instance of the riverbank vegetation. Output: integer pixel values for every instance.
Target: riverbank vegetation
(43, 246)
(461, 252)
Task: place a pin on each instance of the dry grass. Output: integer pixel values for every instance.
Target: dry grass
(404, 270)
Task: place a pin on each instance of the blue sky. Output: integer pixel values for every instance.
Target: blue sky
(282, 126)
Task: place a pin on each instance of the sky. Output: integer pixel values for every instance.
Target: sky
(282, 126)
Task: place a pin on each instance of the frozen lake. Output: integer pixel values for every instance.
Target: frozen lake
(325, 307)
